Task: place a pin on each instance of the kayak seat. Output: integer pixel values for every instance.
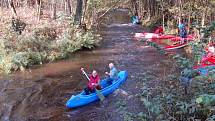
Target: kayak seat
(103, 83)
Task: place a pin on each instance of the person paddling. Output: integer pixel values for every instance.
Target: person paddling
(93, 83)
(112, 75)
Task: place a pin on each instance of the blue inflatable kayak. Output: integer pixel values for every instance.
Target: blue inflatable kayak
(83, 99)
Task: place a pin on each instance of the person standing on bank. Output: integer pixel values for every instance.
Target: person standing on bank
(182, 30)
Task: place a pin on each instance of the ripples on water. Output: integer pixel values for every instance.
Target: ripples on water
(40, 94)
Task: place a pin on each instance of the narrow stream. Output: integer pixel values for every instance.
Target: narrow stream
(40, 94)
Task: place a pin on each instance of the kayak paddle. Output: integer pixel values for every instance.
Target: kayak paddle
(99, 94)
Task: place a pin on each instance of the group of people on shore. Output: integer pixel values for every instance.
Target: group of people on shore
(182, 31)
(94, 79)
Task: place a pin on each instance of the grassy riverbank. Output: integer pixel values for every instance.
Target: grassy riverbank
(44, 43)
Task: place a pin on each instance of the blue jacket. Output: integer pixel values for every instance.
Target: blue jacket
(113, 73)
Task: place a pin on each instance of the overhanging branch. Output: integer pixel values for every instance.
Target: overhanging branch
(109, 9)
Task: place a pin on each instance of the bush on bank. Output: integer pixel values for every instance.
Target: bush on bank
(18, 52)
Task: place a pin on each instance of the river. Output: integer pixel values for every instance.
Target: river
(40, 94)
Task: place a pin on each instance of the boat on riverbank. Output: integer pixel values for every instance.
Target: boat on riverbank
(145, 35)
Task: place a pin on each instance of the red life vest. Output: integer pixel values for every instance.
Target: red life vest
(159, 30)
(93, 80)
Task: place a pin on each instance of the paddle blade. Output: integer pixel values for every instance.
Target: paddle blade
(100, 95)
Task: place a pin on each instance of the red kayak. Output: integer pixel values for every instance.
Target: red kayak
(209, 59)
(203, 66)
(189, 38)
(157, 34)
(206, 61)
(145, 35)
(173, 43)
(179, 42)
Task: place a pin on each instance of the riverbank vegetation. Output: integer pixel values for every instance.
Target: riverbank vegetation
(42, 31)
(174, 97)
(177, 98)
(37, 32)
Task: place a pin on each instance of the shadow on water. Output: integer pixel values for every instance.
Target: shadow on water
(40, 94)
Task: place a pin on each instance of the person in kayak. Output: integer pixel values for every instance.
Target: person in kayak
(112, 75)
(159, 30)
(93, 83)
(182, 30)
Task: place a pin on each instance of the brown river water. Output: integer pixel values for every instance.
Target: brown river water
(40, 94)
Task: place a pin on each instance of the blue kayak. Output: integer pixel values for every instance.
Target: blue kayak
(83, 99)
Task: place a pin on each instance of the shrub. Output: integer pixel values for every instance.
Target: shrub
(45, 34)
(18, 52)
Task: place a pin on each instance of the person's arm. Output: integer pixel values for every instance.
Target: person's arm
(82, 69)
(93, 83)
(109, 74)
(112, 73)
(98, 80)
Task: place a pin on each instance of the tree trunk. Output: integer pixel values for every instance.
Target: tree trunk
(68, 8)
(180, 7)
(203, 18)
(53, 9)
(94, 18)
(189, 23)
(11, 4)
(39, 9)
(2, 4)
(65, 5)
(78, 14)
(7, 3)
(189, 18)
(61, 4)
(162, 5)
(136, 8)
(85, 9)
(149, 10)
(163, 22)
